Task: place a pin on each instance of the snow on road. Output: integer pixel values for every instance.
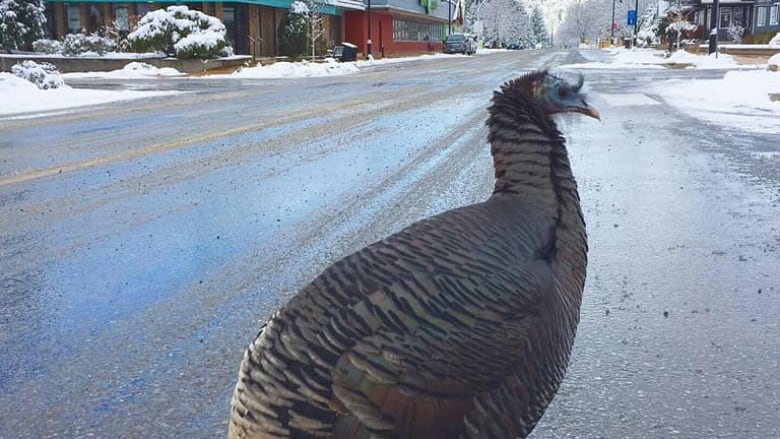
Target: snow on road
(741, 97)
(746, 97)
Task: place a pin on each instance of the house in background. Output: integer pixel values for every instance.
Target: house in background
(251, 24)
(397, 27)
(755, 16)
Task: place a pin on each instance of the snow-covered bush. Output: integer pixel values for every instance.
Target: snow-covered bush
(47, 46)
(773, 63)
(735, 33)
(21, 23)
(775, 41)
(292, 31)
(76, 44)
(179, 31)
(44, 75)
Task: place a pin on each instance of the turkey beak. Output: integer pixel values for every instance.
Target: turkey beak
(586, 110)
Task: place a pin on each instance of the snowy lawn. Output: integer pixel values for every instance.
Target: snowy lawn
(742, 98)
(620, 58)
(133, 70)
(22, 96)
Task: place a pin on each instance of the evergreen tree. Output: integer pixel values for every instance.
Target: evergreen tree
(293, 34)
(537, 26)
(21, 23)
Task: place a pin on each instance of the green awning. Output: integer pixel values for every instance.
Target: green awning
(282, 4)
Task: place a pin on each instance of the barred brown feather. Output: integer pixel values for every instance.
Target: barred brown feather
(460, 325)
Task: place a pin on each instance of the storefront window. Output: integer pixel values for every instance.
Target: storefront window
(74, 19)
(95, 18)
(121, 17)
(725, 19)
(410, 30)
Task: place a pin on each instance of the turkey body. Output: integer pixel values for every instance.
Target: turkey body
(459, 325)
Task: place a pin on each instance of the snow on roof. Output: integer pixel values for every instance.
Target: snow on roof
(355, 5)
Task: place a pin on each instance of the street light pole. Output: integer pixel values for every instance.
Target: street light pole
(612, 26)
(449, 17)
(368, 42)
(636, 23)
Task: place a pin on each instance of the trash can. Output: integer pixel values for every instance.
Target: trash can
(627, 43)
(348, 53)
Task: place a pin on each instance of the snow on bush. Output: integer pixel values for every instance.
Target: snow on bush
(44, 75)
(181, 32)
(774, 62)
(21, 23)
(47, 46)
(77, 44)
(775, 41)
(299, 7)
(292, 31)
(735, 33)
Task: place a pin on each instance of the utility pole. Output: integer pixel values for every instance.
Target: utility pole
(636, 23)
(449, 17)
(612, 26)
(713, 43)
(368, 42)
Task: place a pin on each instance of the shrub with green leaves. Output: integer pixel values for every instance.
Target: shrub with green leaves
(76, 44)
(180, 32)
(47, 46)
(21, 23)
(292, 34)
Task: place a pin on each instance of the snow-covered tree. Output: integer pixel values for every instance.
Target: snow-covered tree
(311, 13)
(679, 22)
(585, 20)
(505, 20)
(537, 26)
(21, 23)
(293, 33)
(590, 20)
(181, 32)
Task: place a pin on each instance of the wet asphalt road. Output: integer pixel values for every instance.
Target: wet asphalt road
(143, 243)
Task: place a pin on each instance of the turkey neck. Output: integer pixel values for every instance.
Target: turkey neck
(531, 162)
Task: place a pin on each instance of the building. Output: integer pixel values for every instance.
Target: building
(395, 27)
(754, 16)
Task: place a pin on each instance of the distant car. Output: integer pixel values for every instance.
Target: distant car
(514, 45)
(460, 43)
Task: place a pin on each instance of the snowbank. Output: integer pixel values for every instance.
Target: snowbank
(775, 41)
(620, 58)
(295, 69)
(22, 96)
(703, 61)
(741, 99)
(137, 70)
(774, 62)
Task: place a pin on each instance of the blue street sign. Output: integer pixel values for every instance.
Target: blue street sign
(631, 17)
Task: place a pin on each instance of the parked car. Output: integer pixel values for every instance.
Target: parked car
(514, 45)
(460, 43)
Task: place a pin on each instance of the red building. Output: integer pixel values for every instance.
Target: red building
(398, 27)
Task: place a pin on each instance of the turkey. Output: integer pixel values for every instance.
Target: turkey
(458, 326)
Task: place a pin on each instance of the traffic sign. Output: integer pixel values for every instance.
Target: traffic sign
(632, 17)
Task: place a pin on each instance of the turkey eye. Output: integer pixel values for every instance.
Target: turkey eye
(563, 93)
